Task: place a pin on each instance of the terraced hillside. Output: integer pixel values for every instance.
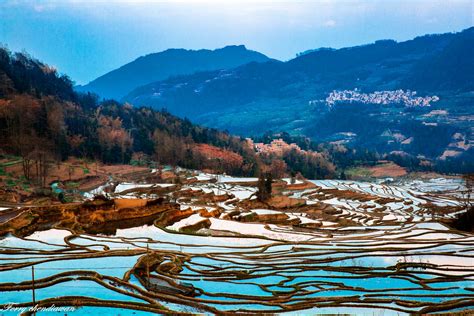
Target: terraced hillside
(315, 246)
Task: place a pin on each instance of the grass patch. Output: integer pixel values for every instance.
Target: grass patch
(358, 172)
(10, 163)
(72, 185)
(11, 183)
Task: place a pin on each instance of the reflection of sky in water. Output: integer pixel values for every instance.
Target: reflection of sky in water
(71, 288)
(290, 264)
(112, 266)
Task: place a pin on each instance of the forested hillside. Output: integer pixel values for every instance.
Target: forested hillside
(171, 62)
(430, 64)
(43, 121)
(42, 117)
(411, 99)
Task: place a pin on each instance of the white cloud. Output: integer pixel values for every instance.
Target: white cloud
(43, 7)
(330, 23)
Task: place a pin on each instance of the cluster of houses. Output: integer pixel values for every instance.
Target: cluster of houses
(408, 98)
(277, 146)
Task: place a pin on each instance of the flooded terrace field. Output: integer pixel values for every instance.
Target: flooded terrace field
(316, 247)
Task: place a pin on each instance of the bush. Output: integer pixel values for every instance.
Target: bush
(465, 221)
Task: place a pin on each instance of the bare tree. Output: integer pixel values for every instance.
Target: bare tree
(468, 193)
(465, 220)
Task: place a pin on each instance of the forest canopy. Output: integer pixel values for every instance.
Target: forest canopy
(43, 119)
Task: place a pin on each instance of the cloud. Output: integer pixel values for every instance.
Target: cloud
(330, 23)
(43, 7)
(35, 5)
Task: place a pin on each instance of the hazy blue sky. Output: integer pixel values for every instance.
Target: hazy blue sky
(87, 38)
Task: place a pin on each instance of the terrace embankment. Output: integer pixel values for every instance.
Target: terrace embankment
(319, 246)
(97, 216)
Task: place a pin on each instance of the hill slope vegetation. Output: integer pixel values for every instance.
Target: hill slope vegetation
(169, 63)
(293, 96)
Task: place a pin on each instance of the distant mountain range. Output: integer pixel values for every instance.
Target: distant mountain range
(291, 96)
(410, 98)
(409, 102)
(169, 63)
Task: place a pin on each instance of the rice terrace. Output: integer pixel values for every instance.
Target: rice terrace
(317, 246)
(237, 157)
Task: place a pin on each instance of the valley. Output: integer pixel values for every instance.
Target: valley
(197, 176)
(327, 94)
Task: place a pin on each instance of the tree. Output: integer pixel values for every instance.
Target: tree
(113, 138)
(278, 168)
(261, 189)
(168, 149)
(468, 192)
(465, 220)
(264, 191)
(268, 185)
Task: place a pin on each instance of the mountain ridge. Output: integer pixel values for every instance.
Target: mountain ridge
(43, 121)
(290, 96)
(168, 63)
(321, 64)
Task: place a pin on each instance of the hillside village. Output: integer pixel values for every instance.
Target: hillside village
(408, 98)
(276, 146)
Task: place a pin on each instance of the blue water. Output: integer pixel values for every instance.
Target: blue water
(70, 288)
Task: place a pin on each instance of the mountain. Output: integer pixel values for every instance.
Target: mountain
(169, 63)
(292, 96)
(43, 122)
